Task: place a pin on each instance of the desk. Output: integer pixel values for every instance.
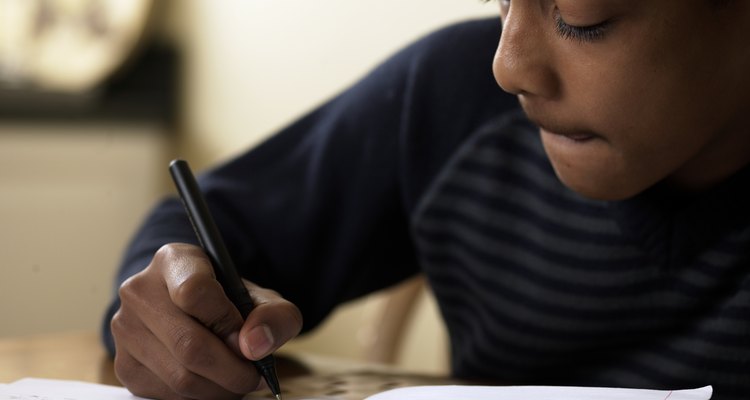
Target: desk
(76, 356)
(80, 356)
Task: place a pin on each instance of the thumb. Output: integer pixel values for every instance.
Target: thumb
(273, 322)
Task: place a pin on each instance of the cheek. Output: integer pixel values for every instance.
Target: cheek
(635, 116)
(652, 124)
(657, 102)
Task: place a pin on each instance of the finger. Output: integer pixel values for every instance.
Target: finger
(152, 369)
(193, 346)
(273, 322)
(140, 380)
(145, 383)
(131, 373)
(179, 379)
(193, 288)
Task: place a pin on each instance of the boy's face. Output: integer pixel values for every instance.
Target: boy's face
(631, 92)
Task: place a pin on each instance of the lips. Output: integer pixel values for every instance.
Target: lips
(574, 136)
(553, 127)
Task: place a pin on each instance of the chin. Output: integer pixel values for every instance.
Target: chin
(599, 188)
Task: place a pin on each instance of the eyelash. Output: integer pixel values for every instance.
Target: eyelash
(586, 34)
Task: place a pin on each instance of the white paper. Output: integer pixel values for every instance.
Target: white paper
(51, 389)
(459, 392)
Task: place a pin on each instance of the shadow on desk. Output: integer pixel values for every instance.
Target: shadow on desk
(307, 376)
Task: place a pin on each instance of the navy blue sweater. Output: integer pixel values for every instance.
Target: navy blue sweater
(426, 166)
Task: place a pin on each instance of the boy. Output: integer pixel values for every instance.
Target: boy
(607, 243)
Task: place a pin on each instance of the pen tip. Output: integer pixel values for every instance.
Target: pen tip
(278, 397)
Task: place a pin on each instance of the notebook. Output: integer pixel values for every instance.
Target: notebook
(49, 389)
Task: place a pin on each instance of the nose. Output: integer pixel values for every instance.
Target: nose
(522, 63)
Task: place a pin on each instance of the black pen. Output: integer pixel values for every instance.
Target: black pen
(210, 239)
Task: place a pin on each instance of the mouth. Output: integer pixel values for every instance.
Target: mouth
(555, 129)
(561, 133)
(575, 137)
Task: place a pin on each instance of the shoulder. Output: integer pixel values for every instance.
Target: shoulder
(450, 94)
(467, 43)
(464, 37)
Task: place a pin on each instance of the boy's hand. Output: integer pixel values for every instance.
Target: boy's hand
(177, 335)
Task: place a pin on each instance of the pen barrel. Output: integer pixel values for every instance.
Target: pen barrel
(240, 297)
(267, 368)
(212, 243)
(209, 236)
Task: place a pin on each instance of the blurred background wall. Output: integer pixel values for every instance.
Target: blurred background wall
(81, 165)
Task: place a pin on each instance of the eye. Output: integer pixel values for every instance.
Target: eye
(589, 33)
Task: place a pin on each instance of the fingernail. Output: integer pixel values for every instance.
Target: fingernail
(260, 341)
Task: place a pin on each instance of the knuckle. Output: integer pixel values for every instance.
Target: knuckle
(201, 296)
(191, 294)
(131, 374)
(167, 252)
(243, 383)
(135, 294)
(126, 329)
(118, 325)
(183, 382)
(136, 288)
(171, 252)
(124, 369)
(130, 288)
(225, 321)
(190, 351)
